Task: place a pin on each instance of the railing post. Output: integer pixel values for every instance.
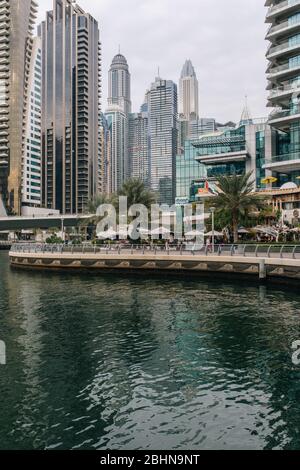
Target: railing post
(294, 252)
(269, 251)
(281, 251)
(262, 270)
(256, 250)
(219, 250)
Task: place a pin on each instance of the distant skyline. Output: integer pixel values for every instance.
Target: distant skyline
(224, 40)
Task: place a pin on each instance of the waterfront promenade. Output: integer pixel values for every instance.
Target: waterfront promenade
(253, 260)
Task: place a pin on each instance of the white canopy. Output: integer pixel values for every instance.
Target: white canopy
(216, 234)
(194, 233)
(109, 234)
(161, 231)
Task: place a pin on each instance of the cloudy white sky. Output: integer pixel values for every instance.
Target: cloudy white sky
(224, 40)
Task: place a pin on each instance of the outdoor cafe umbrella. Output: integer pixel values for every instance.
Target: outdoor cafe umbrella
(108, 235)
(269, 180)
(194, 233)
(161, 231)
(215, 233)
(143, 232)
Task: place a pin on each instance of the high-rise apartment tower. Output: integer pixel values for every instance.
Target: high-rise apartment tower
(71, 107)
(17, 19)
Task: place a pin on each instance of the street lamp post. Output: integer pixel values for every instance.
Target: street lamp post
(63, 229)
(212, 210)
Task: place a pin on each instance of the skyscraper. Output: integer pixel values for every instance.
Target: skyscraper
(119, 84)
(189, 125)
(118, 169)
(284, 89)
(163, 134)
(188, 93)
(16, 27)
(139, 146)
(31, 161)
(71, 107)
(117, 115)
(105, 154)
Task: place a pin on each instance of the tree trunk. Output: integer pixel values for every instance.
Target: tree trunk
(235, 228)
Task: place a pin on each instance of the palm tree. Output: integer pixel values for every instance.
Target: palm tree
(137, 193)
(236, 200)
(97, 201)
(92, 206)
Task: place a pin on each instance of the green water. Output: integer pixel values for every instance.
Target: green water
(109, 362)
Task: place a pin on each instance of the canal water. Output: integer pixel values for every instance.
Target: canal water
(109, 362)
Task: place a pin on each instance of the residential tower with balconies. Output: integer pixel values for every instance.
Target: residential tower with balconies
(283, 74)
(17, 18)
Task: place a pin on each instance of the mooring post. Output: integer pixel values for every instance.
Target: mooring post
(262, 270)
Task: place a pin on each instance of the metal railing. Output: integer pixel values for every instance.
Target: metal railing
(281, 6)
(281, 114)
(290, 88)
(286, 46)
(246, 250)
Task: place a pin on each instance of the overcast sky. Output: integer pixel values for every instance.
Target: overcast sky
(224, 39)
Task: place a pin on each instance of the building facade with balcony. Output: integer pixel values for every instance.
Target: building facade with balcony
(117, 161)
(71, 77)
(283, 76)
(139, 147)
(32, 151)
(17, 18)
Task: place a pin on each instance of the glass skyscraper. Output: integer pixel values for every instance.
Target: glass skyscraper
(117, 115)
(163, 134)
(71, 106)
(117, 164)
(139, 146)
(119, 84)
(16, 26)
(188, 93)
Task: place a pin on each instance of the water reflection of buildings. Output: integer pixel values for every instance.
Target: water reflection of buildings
(115, 361)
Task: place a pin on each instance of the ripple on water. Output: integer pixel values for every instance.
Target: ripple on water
(108, 362)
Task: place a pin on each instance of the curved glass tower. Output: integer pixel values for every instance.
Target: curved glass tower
(283, 75)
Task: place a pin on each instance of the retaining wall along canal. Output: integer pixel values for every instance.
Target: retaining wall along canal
(260, 266)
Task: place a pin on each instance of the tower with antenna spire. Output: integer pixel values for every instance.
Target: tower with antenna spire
(188, 93)
(246, 117)
(117, 115)
(119, 83)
